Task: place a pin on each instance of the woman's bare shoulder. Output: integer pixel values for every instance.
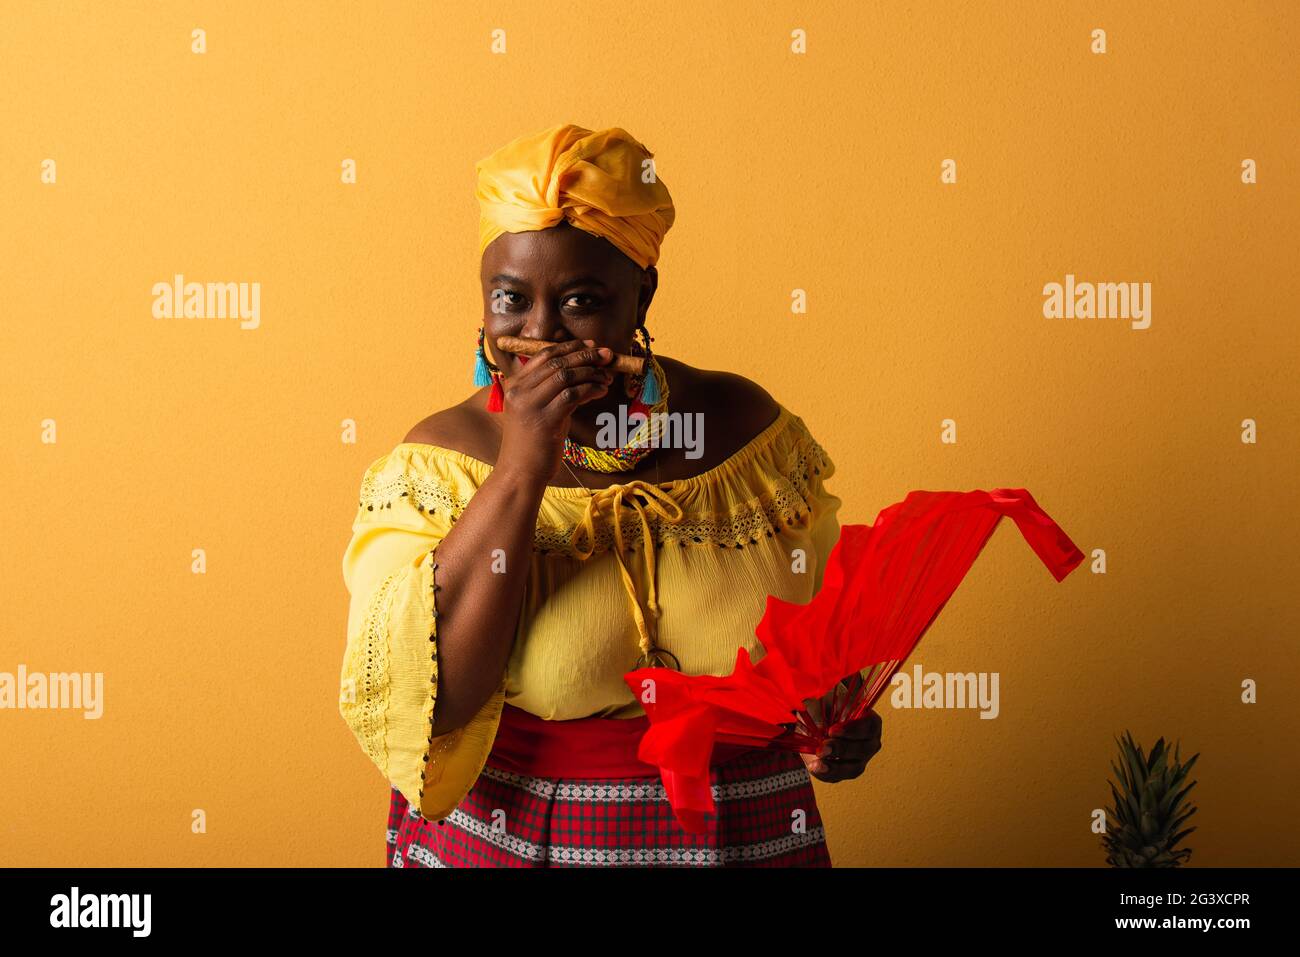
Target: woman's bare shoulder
(745, 406)
(461, 428)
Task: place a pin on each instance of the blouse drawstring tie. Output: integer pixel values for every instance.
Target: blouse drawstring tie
(662, 504)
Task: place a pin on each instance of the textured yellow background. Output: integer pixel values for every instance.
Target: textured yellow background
(818, 172)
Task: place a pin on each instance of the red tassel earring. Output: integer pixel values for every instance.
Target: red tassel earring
(496, 398)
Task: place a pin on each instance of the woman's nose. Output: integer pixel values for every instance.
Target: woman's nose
(544, 323)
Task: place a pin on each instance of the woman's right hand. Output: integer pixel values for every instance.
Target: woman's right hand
(541, 398)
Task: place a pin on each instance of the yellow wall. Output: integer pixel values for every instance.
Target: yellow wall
(818, 172)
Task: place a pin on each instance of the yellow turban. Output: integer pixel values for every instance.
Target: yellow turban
(596, 181)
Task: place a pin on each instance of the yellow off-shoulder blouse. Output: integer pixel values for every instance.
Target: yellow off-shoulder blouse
(704, 551)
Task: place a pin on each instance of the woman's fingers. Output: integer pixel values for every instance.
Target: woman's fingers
(574, 396)
(570, 386)
(845, 752)
(831, 770)
(857, 749)
(563, 375)
(552, 359)
(868, 726)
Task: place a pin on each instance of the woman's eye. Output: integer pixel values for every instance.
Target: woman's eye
(502, 298)
(507, 299)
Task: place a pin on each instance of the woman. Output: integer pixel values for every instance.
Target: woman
(509, 564)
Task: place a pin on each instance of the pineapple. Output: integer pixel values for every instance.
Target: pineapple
(1143, 826)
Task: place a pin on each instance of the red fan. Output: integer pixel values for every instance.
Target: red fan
(883, 586)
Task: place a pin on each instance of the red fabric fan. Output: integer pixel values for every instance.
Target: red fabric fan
(883, 586)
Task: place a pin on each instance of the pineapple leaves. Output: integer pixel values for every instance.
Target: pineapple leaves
(1150, 805)
(1174, 799)
(1155, 763)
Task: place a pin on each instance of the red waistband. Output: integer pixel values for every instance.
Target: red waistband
(578, 748)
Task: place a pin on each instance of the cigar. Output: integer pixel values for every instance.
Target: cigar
(632, 365)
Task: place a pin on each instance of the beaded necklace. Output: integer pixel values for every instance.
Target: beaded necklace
(639, 444)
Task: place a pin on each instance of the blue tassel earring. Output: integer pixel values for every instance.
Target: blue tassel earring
(650, 388)
(650, 394)
(481, 374)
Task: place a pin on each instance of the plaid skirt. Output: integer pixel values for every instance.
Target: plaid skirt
(766, 817)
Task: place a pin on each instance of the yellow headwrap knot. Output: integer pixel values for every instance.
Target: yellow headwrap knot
(596, 181)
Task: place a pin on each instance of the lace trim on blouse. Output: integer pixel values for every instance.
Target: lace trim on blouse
(787, 500)
(364, 708)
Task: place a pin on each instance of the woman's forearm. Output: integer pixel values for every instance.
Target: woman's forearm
(483, 567)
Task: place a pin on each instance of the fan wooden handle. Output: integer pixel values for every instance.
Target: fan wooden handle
(632, 365)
